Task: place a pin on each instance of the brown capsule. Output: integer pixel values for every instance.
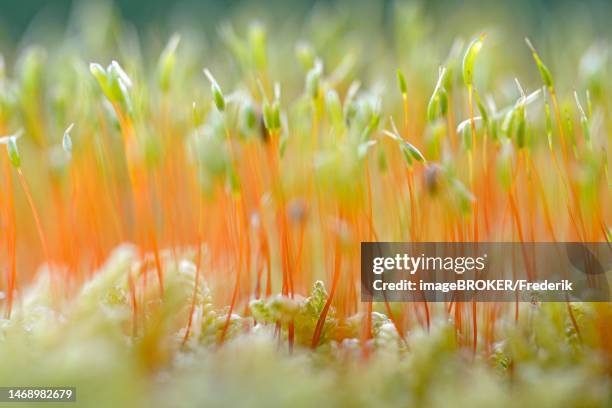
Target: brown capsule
(298, 211)
(433, 178)
(261, 124)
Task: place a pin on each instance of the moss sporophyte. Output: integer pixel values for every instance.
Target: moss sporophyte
(184, 211)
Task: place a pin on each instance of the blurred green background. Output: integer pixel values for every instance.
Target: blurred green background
(17, 16)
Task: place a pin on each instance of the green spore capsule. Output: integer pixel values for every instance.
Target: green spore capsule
(13, 152)
(167, 61)
(99, 73)
(215, 89)
(438, 102)
(469, 59)
(248, 117)
(334, 108)
(313, 79)
(414, 152)
(402, 83)
(544, 71)
(257, 44)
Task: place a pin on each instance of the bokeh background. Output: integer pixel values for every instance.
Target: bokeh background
(528, 17)
(562, 29)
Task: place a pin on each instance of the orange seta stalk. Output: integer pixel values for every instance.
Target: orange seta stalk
(11, 238)
(141, 194)
(316, 337)
(39, 228)
(198, 266)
